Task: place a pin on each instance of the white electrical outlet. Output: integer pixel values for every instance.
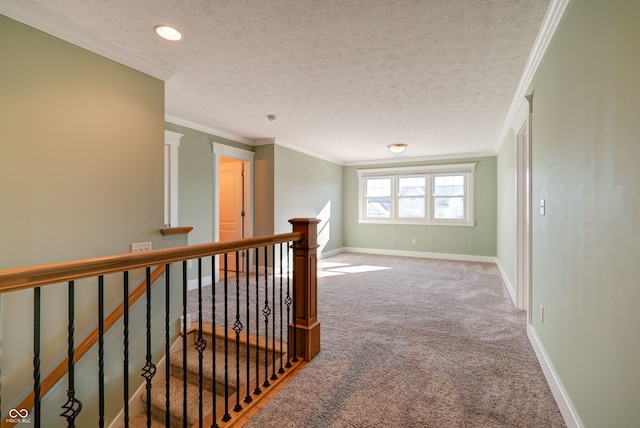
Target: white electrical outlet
(189, 264)
(541, 313)
(413, 241)
(140, 247)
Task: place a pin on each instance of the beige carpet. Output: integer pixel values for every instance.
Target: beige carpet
(422, 343)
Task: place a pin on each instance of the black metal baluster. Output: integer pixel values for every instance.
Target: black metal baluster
(237, 327)
(281, 370)
(101, 350)
(257, 391)
(37, 414)
(248, 398)
(287, 301)
(214, 412)
(227, 416)
(184, 344)
(266, 311)
(273, 320)
(167, 345)
(125, 372)
(149, 370)
(201, 345)
(73, 406)
(295, 333)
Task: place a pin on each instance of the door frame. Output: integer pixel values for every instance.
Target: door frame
(224, 151)
(523, 217)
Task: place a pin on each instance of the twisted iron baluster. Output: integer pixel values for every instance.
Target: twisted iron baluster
(213, 342)
(201, 344)
(226, 417)
(266, 311)
(125, 292)
(237, 327)
(184, 343)
(281, 370)
(295, 333)
(149, 370)
(287, 301)
(248, 398)
(167, 345)
(73, 406)
(273, 321)
(257, 391)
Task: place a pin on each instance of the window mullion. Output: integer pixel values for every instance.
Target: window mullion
(394, 197)
(429, 198)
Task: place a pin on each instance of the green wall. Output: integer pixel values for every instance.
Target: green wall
(81, 175)
(263, 194)
(308, 187)
(196, 186)
(506, 233)
(586, 158)
(479, 240)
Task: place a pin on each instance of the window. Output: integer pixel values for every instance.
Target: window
(432, 194)
(378, 199)
(448, 196)
(412, 192)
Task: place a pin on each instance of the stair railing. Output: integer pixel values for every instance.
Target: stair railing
(88, 343)
(303, 331)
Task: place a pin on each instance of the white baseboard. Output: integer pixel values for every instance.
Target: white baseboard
(422, 254)
(569, 413)
(507, 283)
(193, 284)
(331, 253)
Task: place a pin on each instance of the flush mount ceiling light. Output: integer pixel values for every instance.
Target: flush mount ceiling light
(397, 148)
(167, 32)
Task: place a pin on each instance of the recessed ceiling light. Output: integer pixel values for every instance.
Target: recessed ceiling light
(167, 32)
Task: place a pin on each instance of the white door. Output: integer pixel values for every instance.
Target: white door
(231, 205)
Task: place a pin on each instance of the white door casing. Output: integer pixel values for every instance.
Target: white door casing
(224, 151)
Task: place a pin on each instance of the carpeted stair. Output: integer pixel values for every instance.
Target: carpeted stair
(158, 395)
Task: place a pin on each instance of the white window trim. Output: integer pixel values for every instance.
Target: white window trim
(429, 170)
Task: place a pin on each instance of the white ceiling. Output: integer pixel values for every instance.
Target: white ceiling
(344, 77)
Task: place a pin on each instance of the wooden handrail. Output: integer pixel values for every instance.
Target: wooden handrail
(55, 273)
(37, 276)
(89, 342)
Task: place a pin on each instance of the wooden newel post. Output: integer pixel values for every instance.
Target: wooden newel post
(307, 327)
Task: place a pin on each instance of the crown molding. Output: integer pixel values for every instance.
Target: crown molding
(281, 143)
(212, 131)
(277, 142)
(387, 161)
(447, 157)
(554, 15)
(22, 13)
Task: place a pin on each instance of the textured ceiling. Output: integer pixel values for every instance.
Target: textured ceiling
(345, 78)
